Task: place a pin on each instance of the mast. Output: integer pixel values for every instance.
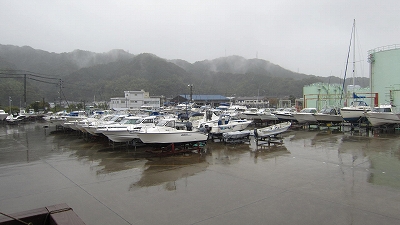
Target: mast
(354, 50)
(347, 61)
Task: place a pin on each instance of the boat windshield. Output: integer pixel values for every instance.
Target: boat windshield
(308, 110)
(131, 120)
(119, 119)
(166, 123)
(328, 111)
(359, 103)
(146, 120)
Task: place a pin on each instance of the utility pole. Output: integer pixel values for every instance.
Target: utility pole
(9, 99)
(60, 93)
(24, 91)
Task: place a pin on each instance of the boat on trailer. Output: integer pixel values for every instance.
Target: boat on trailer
(272, 130)
(170, 136)
(384, 115)
(328, 115)
(236, 136)
(170, 130)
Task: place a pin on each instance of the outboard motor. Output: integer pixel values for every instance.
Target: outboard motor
(255, 133)
(189, 126)
(208, 128)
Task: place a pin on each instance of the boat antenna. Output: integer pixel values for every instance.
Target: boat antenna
(347, 61)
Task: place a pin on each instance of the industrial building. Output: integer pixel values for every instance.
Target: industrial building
(134, 100)
(320, 95)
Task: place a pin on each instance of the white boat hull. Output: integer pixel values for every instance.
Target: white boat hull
(326, 118)
(352, 115)
(355, 112)
(120, 135)
(236, 135)
(382, 118)
(285, 117)
(272, 130)
(219, 129)
(268, 117)
(172, 137)
(305, 118)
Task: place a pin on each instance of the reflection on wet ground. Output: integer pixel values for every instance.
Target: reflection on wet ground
(27, 143)
(165, 171)
(306, 162)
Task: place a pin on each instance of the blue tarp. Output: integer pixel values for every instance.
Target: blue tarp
(356, 96)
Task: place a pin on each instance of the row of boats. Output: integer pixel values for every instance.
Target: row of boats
(229, 122)
(358, 112)
(160, 128)
(226, 118)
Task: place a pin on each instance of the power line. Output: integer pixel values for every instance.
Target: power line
(53, 78)
(29, 72)
(30, 78)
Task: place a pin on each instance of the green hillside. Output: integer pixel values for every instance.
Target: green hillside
(87, 75)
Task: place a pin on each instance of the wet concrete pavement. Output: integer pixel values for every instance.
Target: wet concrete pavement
(315, 177)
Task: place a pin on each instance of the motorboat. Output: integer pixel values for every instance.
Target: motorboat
(105, 120)
(129, 127)
(73, 118)
(84, 123)
(3, 114)
(328, 115)
(306, 115)
(171, 130)
(119, 132)
(286, 114)
(236, 109)
(251, 114)
(266, 114)
(209, 116)
(273, 130)
(355, 112)
(11, 119)
(57, 118)
(225, 123)
(236, 136)
(101, 125)
(383, 115)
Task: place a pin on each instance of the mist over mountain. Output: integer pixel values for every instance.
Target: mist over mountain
(86, 76)
(238, 65)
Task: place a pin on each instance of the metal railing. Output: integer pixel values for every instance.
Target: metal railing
(384, 48)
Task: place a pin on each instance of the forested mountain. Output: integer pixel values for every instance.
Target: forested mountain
(238, 65)
(87, 75)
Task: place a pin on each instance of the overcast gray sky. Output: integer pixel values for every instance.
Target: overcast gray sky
(306, 36)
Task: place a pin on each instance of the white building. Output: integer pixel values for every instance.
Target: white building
(255, 101)
(134, 100)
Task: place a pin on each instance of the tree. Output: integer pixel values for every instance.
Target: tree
(292, 99)
(39, 106)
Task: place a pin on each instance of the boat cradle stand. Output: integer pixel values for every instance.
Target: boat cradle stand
(268, 140)
(177, 148)
(241, 140)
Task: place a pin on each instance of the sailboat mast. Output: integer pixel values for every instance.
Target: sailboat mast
(354, 50)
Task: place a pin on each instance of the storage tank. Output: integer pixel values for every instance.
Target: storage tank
(385, 73)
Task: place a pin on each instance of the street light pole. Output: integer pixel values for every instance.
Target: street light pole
(191, 92)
